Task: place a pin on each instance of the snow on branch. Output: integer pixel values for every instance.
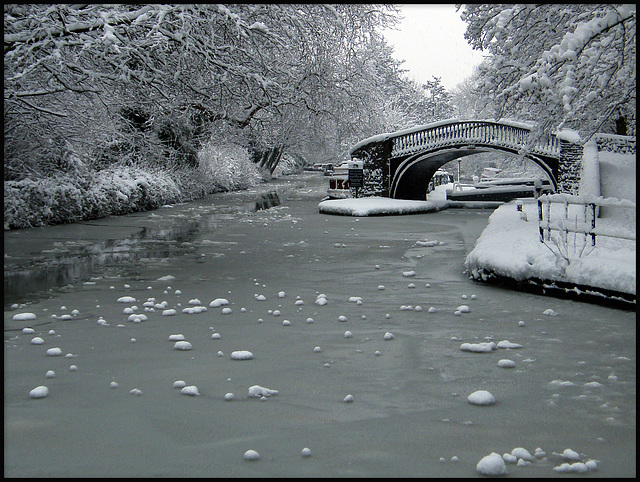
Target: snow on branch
(570, 65)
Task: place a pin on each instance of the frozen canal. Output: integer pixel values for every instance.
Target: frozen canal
(562, 373)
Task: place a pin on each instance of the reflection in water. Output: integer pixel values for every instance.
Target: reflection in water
(26, 279)
(72, 261)
(31, 277)
(268, 200)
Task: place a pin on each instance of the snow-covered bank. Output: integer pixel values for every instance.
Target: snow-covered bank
(86, 195)
(510, 247)
(83, 194)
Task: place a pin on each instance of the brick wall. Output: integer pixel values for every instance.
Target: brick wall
(569, 167)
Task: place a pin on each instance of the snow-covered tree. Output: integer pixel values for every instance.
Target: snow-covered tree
(437, 102)
(562, 65)
(127, 74)
(469, 102)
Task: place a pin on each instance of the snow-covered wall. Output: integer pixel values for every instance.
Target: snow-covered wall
(617, 160)
(590, 175)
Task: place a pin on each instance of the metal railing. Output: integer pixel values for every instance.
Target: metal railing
(587, 225)
(472, 132)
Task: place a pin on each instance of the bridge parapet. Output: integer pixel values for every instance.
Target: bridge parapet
(481, 132)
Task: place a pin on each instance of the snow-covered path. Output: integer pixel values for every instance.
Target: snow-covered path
(284, 342)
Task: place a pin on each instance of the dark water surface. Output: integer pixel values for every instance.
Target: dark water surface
(39, 261)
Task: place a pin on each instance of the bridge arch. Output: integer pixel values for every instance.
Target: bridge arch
(401, 164)
(413, 174)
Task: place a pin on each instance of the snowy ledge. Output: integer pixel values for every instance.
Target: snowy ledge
(509, 249)
(378, 206)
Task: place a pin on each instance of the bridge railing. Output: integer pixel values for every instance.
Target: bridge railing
(582, 221)
(471, 132)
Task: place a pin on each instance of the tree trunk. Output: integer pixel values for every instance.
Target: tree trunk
(277, 155)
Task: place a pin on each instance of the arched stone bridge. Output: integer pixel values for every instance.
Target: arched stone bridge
(401, 164)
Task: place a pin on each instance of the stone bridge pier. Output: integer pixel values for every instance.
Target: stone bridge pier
(400, 165)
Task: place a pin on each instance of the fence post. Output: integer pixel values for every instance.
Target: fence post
(540, 230)
(592, 213)
(565, 231)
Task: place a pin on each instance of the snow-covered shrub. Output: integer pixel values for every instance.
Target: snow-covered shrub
(80, 193)
(227, 167)
(25, 203)
(38, 202)
(131, 189)
(66, 198)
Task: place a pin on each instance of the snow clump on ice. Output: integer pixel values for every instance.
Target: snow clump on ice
(241, 355)
(522, 453)
(190, 390)
(570, 454)
(24, 316)
(251, 455)
(321, 299)
(219, 302)
(483, 347)
(579, 467)
(492, 465)
(39, 392)
(257, 391)
(508, 344)
(182, 345)
(194, 310)
(481, 397)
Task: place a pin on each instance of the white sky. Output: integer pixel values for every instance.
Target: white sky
(431, 41)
